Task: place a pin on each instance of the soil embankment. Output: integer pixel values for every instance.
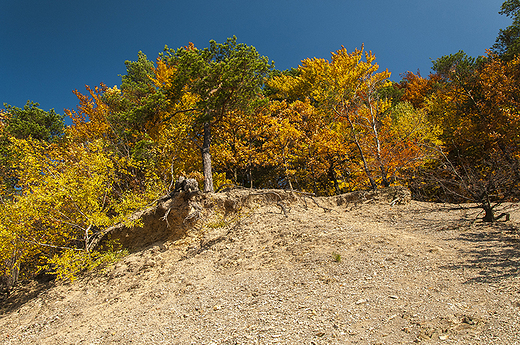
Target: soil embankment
(270, 267)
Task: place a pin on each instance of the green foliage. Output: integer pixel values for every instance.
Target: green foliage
(507, 44)
(458, 66)
(138, 78)
(326, 127)
(33, 122)
(16, 123)
(225, 77)
(392, 92)
(139, 101)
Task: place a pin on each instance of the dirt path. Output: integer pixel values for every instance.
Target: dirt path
(366, 274)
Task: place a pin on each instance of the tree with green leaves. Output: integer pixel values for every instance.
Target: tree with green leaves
(224, 77)
(507, 44)
(140, 101)
(23, 123)
(31, 121)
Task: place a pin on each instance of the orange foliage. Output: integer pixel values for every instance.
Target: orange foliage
(91, 118)
(417, 88)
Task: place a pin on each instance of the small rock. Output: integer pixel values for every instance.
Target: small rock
(443, 337)
(393, 297)
(392, 317)
(361, 301)
(469, 320)
(436, 249)
(453, 320)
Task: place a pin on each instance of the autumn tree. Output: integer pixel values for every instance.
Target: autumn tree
(477, 106)
(238, 150)
(416, 89)
(126, 119)
(324, 154)
(66, 197)
(351, 89)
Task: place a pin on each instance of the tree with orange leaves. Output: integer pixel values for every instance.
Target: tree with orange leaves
(477, 106)
(417, 89)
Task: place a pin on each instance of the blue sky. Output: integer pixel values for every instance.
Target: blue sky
(50, 47)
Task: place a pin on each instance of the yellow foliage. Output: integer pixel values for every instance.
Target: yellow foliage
(220, 179)
(163, 73)
(70, 263)
(347, 89)
(91, 118)
(67, 194)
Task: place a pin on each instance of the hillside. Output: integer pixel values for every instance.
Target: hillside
(272, 267)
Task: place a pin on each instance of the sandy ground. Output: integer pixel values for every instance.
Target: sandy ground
(369, 273)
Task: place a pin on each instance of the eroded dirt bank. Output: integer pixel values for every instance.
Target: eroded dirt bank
(361, 272)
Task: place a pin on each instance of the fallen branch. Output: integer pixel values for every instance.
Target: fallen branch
(392, 203)
(311, 196)
(282, 206)
(279, 203)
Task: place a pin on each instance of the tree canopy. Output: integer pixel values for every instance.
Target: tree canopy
(223, 115)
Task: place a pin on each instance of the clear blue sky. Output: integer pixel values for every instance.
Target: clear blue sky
(50, 47)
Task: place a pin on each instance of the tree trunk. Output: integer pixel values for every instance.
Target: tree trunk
(384, 176)
(250, 177)
(373, 121)
(334, 179)
(314, 181)
(490, 215)
(373, 184)
(206, 159)
(286, 168)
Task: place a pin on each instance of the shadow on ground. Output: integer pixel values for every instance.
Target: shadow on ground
(494, 252)
(22, 293)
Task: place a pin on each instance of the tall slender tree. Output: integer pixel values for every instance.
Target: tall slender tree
(224, 77)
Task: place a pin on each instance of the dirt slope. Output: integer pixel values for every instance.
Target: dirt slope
(339, 271)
